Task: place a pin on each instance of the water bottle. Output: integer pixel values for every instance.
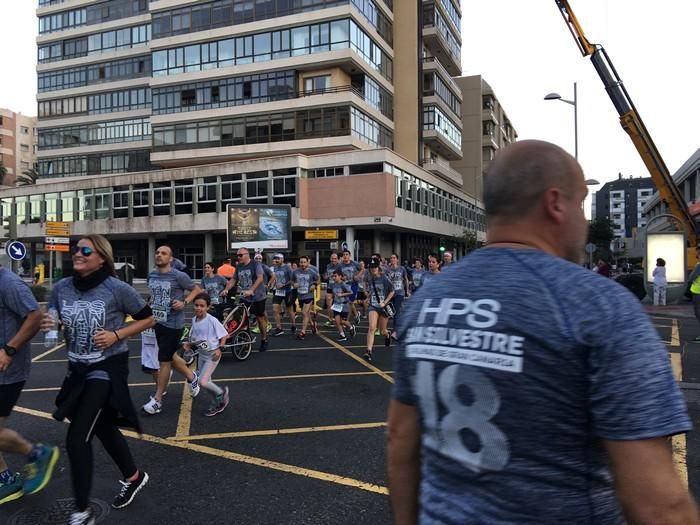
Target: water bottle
(51, 337)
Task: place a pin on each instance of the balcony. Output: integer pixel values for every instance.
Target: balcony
(443, 170)
(438, 38)
(431, 64)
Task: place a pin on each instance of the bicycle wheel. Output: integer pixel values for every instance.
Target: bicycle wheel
(242, 345)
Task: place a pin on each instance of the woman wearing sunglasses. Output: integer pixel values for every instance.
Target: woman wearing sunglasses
(92, 306)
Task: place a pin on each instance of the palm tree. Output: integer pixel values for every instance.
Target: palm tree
(27, 177)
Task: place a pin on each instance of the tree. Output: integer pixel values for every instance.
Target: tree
(471, 241)
(3, 172)
(600, 232)
(27, 177)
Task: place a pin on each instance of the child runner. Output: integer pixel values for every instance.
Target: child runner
(208, 335)
(381, 292)
(341, 307)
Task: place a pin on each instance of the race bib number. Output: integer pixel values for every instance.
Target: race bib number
(337, 307)
(303, 290)
(159, 315)
(398, 285)
(280, 292)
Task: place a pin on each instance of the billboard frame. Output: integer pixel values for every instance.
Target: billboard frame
(253, 245)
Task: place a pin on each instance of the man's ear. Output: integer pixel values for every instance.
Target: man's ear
(554, 205)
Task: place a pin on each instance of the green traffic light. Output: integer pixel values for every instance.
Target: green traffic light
(442, 248)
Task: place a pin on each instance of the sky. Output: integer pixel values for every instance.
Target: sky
(524, 50)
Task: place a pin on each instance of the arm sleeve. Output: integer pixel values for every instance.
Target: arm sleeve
(219, 328)
(132, 302)
(695, 274)
(185, 281)
(633, 394)
(19, 298)
(144, 313)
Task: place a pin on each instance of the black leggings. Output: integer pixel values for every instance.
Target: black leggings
(93, 417)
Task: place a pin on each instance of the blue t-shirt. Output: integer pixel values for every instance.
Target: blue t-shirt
(341, 301)
(518, 376)
(246, 275)
(16, 302)
(82, 314)
(165, 288)
(214, 285)
(304, 280)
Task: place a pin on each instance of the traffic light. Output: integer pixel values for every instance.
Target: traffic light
(442, 246)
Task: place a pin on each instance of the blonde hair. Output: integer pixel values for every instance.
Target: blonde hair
(104, 249)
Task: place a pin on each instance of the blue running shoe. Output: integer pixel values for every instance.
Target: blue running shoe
(12, 489)
(38, 471)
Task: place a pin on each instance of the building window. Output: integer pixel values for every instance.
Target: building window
(317, 84)
(24, 147)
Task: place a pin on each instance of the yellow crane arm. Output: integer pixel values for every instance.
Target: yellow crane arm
(634, 126)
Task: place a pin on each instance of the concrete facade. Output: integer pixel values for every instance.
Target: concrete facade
(486, 128)
(17, 144)
(622, 202)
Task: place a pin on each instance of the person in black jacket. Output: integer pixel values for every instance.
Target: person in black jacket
(92, 307)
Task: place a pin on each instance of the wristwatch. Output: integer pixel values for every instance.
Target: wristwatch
(10, 350)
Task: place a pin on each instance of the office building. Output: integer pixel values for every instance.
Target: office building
(486, 129)
(622, 201)
(17, 144)
(343, 109)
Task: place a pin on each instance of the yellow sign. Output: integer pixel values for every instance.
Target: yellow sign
(320, 235)
(58, 229)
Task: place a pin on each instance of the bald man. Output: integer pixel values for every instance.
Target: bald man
(538, 392)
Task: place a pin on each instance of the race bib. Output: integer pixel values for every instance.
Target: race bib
(303, 290)
(159, 315)
(337, 307)
(280, 292)
(398, 285)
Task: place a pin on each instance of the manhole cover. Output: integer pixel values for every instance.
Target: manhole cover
(57, 514)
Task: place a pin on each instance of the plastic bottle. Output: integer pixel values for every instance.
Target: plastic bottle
(51, 337)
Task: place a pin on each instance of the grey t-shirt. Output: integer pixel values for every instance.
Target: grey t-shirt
(349, 271)
(397, 277)
(377, 289)
(417, 276)
(82, 314)
(16, 302)
(341, 301)
(330, 268)
(518, 377)
(214, 285)
(283, 277)
(246, 275)
(166, 288)
(304, 279)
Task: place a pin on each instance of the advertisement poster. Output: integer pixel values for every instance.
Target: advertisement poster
(261, 227)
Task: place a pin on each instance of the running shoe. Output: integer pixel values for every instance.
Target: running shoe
(220, 404)
(153, 407)
(342, 338)
(263, 346)
(82, 518)
(697, 339)
(387, 340)
(278, 332)
(129, 490)
(294, 329)
(368, 356)
(314, 325)
(301, 336)
(377, 333)
(194, 384)
(38, 470)
(328, 323)
(353, 330)
(12, 489)
(358, 317)
(255, 329)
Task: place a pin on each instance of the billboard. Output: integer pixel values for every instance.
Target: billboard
(266, 227)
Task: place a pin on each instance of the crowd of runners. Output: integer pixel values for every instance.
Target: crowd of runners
(99, 313)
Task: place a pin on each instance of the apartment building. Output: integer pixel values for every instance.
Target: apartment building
(17, 144)
(486, 128)
(622, 201)
(343, 109)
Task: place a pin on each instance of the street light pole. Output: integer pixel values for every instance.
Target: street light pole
(557, 96)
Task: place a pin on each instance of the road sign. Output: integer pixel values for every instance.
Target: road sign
(16, 250)
(590, 248)
(344, 246)
(57, 240)
(57, 228)
(56, 248)
(320, 235)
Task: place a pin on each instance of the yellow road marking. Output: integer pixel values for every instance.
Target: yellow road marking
(679, 456)
(184, 420)
(357, 358)
(57, 347)
(241, 458)
(675, 336)
(238, 379)
(676, 366)
(280, 431)
(311, 348)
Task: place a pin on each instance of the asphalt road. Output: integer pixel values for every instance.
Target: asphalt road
(301, 443)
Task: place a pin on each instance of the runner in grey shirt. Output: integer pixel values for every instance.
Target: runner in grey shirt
(171, 290)
(20, 318)
(305, 279)
(250, 279)
(215, 286)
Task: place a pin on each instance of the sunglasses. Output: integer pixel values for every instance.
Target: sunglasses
(241, 254)
(86, 251)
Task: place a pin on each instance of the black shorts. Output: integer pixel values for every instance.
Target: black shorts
(361, 295)
(310, 300)
(288, 299)
(168, 340)
(9, 394)
(380, 311)
(257, 308)
(147, 370)
(343, 315)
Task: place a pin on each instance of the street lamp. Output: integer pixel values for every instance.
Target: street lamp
(557, 96)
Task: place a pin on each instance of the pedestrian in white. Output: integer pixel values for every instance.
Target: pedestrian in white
(660, 282)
